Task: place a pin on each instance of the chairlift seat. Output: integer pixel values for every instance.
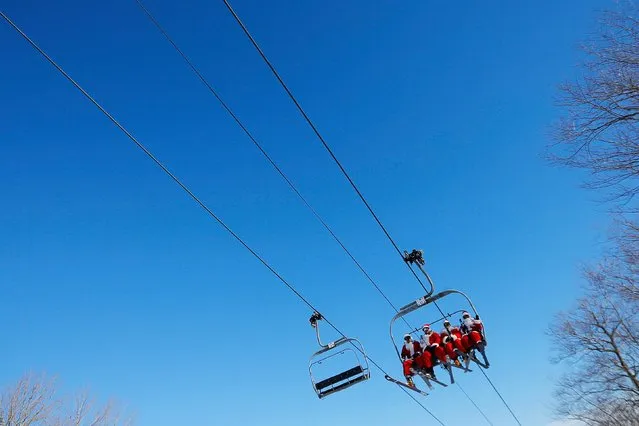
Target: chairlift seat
(339, 377)
(326, 387)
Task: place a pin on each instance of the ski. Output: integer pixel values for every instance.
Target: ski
(476, 361)
(400, 383)
(450, 372)
(462, 367)
(429, 378)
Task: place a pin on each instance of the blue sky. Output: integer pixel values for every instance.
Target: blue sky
(112, 278)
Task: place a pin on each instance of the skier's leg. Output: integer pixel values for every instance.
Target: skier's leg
(482, 350)
(407, 366)
(427, 362)
(466, 343)
(440, 353)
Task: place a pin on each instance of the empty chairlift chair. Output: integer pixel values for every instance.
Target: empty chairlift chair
(344, 349)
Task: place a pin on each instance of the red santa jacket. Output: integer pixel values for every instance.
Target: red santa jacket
(450, 333)
(410, 349)
(471, 324)
(431, 339)
(455, 332)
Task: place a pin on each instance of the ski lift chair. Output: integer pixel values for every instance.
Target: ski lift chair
(345, 348)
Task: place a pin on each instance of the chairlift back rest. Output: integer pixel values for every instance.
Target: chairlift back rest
(339, 377)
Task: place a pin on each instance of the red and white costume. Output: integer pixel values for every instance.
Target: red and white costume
(451, 342)
(433, 342)
(411, 353)
(473, 329)
(458, 341)
(410, 349)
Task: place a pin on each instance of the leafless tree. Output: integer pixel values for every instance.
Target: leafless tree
(598, 341)
(600, 129)
(34, 401)
(626, 253)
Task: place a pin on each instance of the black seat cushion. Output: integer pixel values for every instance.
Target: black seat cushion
(343, 385)
(339, 377)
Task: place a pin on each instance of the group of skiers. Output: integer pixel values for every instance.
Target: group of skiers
(442, 348)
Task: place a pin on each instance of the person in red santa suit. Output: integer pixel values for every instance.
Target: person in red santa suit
(472, 330)
(432, 341)
(451, 343)
(411, 357)
(456, 336)
(472, 334)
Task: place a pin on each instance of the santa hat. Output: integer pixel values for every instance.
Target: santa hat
(465, 313)
(407, 335)
(426, 327)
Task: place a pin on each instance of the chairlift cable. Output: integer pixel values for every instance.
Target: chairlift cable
(319, 135)
(243, 127)
(499, 394)
(473, 402)
(182, 185)
(419, 403)
(259, 146)
(335, 159)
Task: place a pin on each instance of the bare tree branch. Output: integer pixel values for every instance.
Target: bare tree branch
(600, 129)
(33, 401)
(597, 340)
